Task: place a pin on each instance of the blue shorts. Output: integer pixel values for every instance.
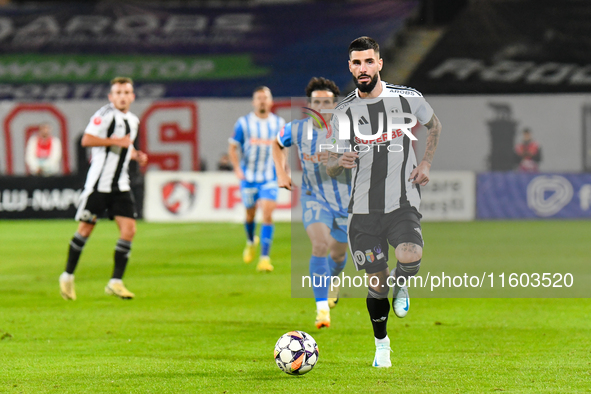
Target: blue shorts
(314, 211)
(251, 192)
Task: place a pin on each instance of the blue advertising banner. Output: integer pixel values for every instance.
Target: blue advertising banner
(185, 51)
(510, 195)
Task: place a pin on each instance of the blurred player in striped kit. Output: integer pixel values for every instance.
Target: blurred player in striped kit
(253, 135)
(324, 199)
(111, 133)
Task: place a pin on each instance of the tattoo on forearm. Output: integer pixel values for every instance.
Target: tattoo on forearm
(434, 129)
(333, 168)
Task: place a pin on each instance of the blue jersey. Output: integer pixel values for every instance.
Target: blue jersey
(315, 181)
(255, 137)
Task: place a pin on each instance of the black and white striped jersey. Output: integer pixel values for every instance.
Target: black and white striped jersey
(108, 166)
(380, 180)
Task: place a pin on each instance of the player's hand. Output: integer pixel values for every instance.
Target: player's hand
(123, 142)
(323, 157)
(239, 173)
(420, 174)
(284, 181)
(141, 158)
(347, 160)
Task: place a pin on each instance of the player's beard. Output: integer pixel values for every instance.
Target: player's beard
(366, 87)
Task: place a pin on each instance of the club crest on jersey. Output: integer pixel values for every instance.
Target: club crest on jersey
(178, 197)
(359, 257)
(369, 255)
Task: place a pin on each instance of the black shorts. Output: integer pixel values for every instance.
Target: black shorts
(93, 206)
(370, 234)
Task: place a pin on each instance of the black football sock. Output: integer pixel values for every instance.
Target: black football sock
(76, 245)
(122, 252)
(378, 307)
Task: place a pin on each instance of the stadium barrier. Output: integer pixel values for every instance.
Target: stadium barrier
(201, 197)
(39, 197)
(215, 196)
(510, 195)
(449, 196)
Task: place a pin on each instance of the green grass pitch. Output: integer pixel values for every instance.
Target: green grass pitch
(204, 322)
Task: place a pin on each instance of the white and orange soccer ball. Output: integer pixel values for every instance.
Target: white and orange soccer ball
(296, 353)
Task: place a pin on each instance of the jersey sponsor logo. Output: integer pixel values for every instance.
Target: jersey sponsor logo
(178, 197)
(380, 140)
(403, 92)
(315, 158)
(260, 141)
(97, 120)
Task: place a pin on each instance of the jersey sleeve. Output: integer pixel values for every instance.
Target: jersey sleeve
(99, 123)
(421, 109)
(337, 145)
(238, 136)
(285, 136)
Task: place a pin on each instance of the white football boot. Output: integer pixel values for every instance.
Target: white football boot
(401, 301)
(382, 357)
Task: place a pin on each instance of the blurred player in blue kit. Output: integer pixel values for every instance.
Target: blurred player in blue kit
(324, 199)
(253, 136)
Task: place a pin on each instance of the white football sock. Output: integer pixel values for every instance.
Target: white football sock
(322, 306)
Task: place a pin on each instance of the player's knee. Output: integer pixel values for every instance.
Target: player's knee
(408, 252)
(85, 229)
(338, 256)
(250, 214)
(377, 284)
(319, 247)
(128, 231)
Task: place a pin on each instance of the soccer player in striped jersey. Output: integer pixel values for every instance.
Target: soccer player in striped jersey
(324, 199)
(385, 199)
(253, 135)
(110, 133)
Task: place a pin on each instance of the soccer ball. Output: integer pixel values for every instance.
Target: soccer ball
(296, 353)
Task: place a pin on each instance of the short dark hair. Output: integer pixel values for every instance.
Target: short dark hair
(320, 83)
(261, 88)
(117, 80)
(363, 44)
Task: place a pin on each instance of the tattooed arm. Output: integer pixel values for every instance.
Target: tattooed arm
(337, 163)
(420, 174)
